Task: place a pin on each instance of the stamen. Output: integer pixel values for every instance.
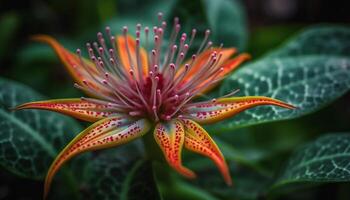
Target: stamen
(138, 60)
(207, 33)
(125, 32)
(168, 87)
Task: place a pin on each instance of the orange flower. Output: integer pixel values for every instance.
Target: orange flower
(133, 90)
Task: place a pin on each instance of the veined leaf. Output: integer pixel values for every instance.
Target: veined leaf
(308, 78)
(323, 160)
(115, 174)
(29, 140)
(247, 183)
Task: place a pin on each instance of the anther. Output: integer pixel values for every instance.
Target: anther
(138, 27)
(125, 30)
(207, 32)
(160, 16)
(104, 82)
(108, 30)
(99, 35)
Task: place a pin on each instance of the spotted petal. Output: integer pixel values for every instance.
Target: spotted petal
(214, 111)
(77, 108)
(105, 133)
(199, 141)
(170, 137)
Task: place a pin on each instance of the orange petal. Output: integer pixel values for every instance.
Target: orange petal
(210, 112)
(77, 108)
(170, 137)
(73, 64)
(105, 133)
(130, 45)
(233, 63)
(202, 59)
(199, 141)
(228, 67)
(70, 60)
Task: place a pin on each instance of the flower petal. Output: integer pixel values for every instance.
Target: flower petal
(69, 59)
(233, 63)
(228, 67)
(123, 48)
(203, 58)
(170, 137)
(105, 133)
(73, 64)
(77, 108)
(199, 141)
(210, 112)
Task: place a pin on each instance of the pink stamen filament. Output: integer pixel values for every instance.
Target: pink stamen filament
(167, 88)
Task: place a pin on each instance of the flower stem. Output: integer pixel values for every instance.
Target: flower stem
(152, 150)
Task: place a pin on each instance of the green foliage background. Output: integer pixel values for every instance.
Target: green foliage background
(272, 153)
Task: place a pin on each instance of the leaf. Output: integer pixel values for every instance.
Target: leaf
(247, 184)
(323, 160)
(29, 140)
(328, 40)
(308, 81)
(115, 174)
(225, 19)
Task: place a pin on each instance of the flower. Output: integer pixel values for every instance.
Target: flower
(134, 90)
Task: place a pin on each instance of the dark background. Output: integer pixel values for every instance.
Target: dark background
(270, 22)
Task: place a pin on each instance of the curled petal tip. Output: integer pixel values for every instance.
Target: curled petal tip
(223, 108)
(199, 141)
(41, 38)
(283, 104)
(186, 172)
(245, 56)
(109, 132)
(170, 137)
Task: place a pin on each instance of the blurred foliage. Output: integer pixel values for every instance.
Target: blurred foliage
(261, 158)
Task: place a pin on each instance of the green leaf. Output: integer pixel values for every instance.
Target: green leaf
(322, 40)
(247, 184)
(309, 80)
(323, 160)
(29, 140)
(118, 174)
(225, 19)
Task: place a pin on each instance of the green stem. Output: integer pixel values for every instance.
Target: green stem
(155, 154)
(153, 151)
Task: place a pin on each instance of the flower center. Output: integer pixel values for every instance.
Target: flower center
(149, 83)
